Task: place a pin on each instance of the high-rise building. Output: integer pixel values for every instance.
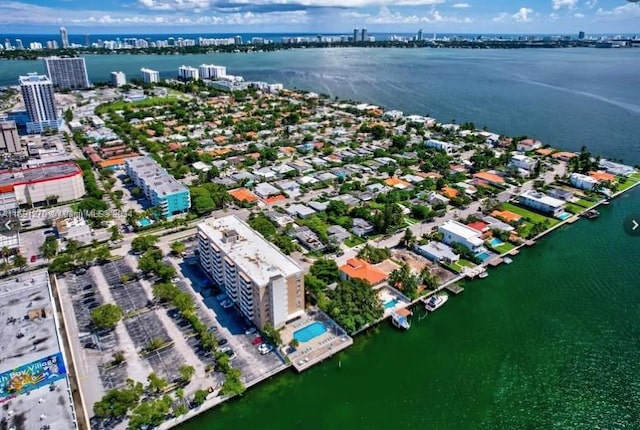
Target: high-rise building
(67, 73)
(64, 37)
(37, 92)
(118, 79)
(420, 35)
(356, 34)
(266, 285)
(161, 189)
(52, 44)
(211, 71)
(188, 73)
(87, 40)
(19, 44)
(581, 35)
(365, 35)
(237, 40)
(7, 44)
(150, 76)
(9, 139)
(35, 46)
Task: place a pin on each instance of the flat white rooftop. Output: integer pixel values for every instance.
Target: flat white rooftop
(253, 254)
(461, 230)
(542, 198)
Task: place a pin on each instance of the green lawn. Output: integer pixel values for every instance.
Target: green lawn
(501, 249)
(524, 230)
(458, 265)
(636, 176)
(354, 241)
(533, 216)
(628, 184)
(573, 208)
(585, 203)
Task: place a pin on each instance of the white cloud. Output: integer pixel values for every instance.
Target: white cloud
(385, 16)
(501, 17)
(199, 5)
(559, 4)
(590, 4)
(553, 16)
(578, 15)
(461, 5)
(627, 12)
(523, 15)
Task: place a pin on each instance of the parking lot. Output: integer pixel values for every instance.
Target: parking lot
(144, 328)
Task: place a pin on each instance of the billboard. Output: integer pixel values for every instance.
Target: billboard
(32, 375)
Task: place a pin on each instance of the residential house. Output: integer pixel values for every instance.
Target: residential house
(438, 252)
(542, 202)
(456, 232)
(482, 228)
(561, 194)
(434, 199)
(522, 162)
(508, 216)
(616, 168)
(300, 210)
(308, 239)
(583, 182)
(496, 224)
(527, 145)
(489, 178)
(338, 234)
(265, 190)
(361, 227)
(318, 206)
(440, 145)
(398, 183)
(360, 269)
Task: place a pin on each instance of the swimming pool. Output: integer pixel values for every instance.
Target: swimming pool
(495, 242)
(309, 332)
(143, 222)
(483, 255)
(564, 215)
(391, 303)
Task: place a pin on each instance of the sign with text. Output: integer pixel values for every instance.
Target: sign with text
(32, 375)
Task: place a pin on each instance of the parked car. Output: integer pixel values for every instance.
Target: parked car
(226, 304)
(256, 341)
(250, 330)
(265, 348)
(223, 342)
(34, 258)
(231, 354)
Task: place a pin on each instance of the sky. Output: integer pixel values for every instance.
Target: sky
(320, 16)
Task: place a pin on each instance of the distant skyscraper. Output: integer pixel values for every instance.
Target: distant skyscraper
(52, 44)
(356, 33)
(19, 44)
(7, 44)
(37, 93)
(87, 40)
(420, 35)
(67, 73)
(365, 35)
(118, 79)
(238, 40)
(581, 35)
(211, 71)
(187, 73)
(9, 139)
(150, 76)
(64, 37)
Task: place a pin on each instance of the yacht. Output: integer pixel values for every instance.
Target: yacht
(400, 321)
(435, 301)
(483, 275)
(508, 260)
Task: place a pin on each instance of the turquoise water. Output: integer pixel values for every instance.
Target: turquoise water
(483, 255)
(495, 242)
(143, 222)
(309, 332)
(391, 303)
(564, 216)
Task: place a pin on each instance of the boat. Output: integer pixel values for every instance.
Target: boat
(507, 260)
(483, 275)
(435, 301)
(591, 214)
(400, 321)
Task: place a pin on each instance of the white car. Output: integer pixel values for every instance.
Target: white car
(226, 304)
(250, 330)
(265, 348)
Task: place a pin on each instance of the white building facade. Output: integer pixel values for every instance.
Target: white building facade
(118, 79)
(211, 71)
(150, 76)
(37, 93)
(455, 232)
(67, 73)
(542, 202)
(188, 73)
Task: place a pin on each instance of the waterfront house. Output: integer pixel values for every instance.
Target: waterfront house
(439, 145)
(602, 176)
(527, 145)
(616, 168)
(456, 232)
(541, 202)
(496, 224)
(561, 194)
(582, 182)
(482, 228)
(360, 269)
(508, 216)
(438, 252)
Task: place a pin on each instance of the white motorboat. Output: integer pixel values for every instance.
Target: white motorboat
(435, 301)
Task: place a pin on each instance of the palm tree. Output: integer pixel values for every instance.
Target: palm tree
(6, 252)
(19, 261)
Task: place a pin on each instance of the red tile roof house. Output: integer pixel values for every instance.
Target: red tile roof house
(482, 228)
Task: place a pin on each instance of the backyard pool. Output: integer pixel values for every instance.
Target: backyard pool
(391, 303)
(309, 332)
(143, 222)
(564, 215)
(495, 242)
(483, 255)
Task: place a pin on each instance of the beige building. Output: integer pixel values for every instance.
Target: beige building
(9, 139)
(266, 285)
(35, 185)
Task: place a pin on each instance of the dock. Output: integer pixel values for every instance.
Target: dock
(454, 289)
(496, 262)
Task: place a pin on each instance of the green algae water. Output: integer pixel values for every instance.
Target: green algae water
(550, 341)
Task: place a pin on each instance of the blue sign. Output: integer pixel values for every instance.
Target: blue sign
(33, 375)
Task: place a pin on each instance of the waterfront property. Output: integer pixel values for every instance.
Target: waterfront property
(266, 285)
(542, 202)
(159, 187)
(456, 232)
(360, 269)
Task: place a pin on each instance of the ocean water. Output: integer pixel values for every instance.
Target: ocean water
(550, 341)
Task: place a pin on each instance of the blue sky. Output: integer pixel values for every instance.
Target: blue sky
(320, 16)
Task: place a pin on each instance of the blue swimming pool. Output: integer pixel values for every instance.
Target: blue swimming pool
(564, 216)
(309, 332)
(483, 255)
(391, 303)
(143, 222)
(495, 242)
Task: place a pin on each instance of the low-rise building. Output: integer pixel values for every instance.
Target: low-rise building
(307, 238)
(300, 210)
(542, 202)
(456, 232)
(438, 252)
(159, 187)
(582, 182)
(520, 161)
(266, 285)
(360, 269)
(361, 227)
(440, 145)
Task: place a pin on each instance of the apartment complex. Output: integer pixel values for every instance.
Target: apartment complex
(67, 73)
(211, 71)
(60, 182)
(118, 79)
(9, 139)
(159, 187)
(37, 93)
(187, 73)
(150, 76)
(265, 284)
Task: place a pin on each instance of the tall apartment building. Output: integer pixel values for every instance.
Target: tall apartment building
(64, 37)
(9, 139)
(356, 35)
(211, 71)
(37, 93)
(158, 186)
(118, 79)
(266, 285)
(364, 35)
(188, 73)
(150, 76)
(67, 73)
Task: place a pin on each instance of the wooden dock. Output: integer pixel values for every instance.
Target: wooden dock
(454, 289)
(496, 262)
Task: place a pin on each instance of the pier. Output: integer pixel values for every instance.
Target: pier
(454, 289)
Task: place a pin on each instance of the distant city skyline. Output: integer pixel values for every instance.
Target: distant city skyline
(320, 16)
